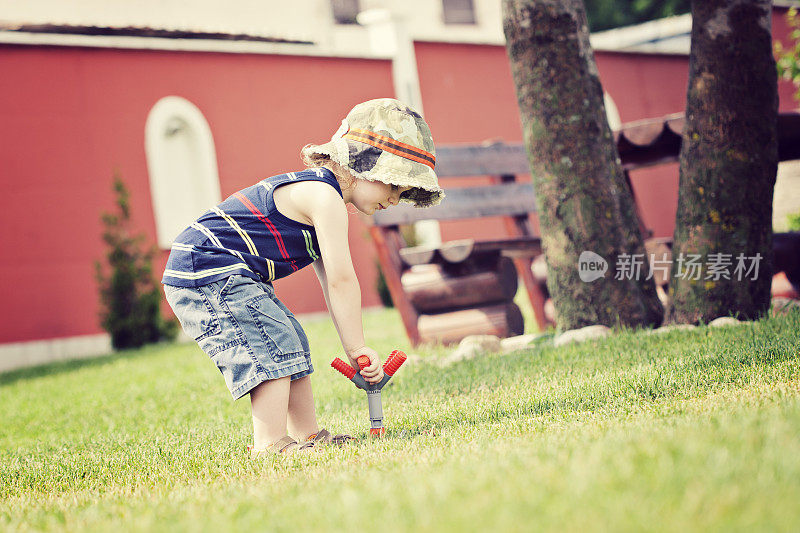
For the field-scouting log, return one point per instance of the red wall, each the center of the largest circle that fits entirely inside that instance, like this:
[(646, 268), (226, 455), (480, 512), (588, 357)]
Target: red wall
[(460, 110), (72, 116), (468, 95), (647, 86)]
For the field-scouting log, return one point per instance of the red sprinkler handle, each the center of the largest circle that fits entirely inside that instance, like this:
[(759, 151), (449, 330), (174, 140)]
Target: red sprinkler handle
[(363, 361), (344, 368), (396, 359)]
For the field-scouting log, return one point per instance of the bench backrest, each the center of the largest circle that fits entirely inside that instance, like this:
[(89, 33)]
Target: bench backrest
[(502, 199)]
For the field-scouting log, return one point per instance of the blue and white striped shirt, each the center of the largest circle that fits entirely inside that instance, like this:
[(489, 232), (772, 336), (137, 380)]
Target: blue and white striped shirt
[(247, 235)]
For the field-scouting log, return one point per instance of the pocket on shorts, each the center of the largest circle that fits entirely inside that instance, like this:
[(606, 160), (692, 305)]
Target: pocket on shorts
[(195, 313), (276, 328)]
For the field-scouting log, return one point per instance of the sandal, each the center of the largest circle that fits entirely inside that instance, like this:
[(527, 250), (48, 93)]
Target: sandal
[(323, 436), (283, 446)]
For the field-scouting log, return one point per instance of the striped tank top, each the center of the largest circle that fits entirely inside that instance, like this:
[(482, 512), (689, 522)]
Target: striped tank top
[(246, 235)]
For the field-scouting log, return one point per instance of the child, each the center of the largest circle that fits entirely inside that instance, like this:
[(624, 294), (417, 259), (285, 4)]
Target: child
[(218, 278)]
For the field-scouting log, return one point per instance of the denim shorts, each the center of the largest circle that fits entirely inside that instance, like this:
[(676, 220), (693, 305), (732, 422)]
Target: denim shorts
[(243, 327)]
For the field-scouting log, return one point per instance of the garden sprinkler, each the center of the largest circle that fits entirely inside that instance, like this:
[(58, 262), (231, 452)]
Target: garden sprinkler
[(396, 358)]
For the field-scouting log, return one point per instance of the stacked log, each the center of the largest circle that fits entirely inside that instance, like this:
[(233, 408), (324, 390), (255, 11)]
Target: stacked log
[(502, 320), (459, 291), (432, 289)]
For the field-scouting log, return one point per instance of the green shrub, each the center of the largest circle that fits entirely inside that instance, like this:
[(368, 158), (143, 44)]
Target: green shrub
[(130, 296), (794, 222), (789, 60), (383, 287)]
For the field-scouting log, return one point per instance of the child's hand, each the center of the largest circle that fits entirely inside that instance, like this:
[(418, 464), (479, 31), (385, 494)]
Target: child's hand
[(372, 373)]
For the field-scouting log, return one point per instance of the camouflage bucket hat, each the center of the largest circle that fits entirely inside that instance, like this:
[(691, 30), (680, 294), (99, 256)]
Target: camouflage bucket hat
[(385, 140)]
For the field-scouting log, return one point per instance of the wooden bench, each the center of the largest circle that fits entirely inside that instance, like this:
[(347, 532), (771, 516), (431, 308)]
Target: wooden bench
[(458, 265), (465, 274), (640, 144)]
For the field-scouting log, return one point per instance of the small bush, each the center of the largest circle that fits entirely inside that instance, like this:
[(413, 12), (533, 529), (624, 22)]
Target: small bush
[(794, 222), (383, 287), (130, 295), (788, 60)]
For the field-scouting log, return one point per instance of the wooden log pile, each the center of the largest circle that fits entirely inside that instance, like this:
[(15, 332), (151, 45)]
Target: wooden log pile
[(462, 288)]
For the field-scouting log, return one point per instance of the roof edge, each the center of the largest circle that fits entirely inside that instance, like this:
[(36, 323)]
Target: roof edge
[(177, 44), (138, 31)]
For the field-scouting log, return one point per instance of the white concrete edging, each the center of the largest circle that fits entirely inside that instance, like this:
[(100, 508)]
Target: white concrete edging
[(24, 354)]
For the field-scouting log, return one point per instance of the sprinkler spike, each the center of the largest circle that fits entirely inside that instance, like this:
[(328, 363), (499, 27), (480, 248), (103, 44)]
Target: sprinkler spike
[(373, 390)]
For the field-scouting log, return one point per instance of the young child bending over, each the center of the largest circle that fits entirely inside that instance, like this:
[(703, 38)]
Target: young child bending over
[(219, 275)]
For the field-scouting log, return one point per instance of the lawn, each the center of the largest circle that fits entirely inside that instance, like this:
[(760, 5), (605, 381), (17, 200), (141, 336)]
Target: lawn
[(690, 430)]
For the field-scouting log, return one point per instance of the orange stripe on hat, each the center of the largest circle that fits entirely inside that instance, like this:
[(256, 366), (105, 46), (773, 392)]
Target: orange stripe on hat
[(392, 146)]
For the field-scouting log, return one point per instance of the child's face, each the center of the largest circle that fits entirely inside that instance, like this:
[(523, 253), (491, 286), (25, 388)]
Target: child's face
[(370, 196)]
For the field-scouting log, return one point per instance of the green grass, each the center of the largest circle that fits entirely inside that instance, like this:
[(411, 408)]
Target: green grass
[(690, 430)]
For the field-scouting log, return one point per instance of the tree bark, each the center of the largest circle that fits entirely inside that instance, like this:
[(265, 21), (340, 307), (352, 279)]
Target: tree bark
[(728, 164), (583, 201)]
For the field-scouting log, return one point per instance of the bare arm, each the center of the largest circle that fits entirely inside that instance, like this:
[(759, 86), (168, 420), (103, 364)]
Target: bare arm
[(337, 276), (319, 268)]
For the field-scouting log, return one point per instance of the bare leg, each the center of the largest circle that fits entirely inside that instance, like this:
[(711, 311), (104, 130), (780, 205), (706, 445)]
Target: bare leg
[(302, 417), (269, 403)]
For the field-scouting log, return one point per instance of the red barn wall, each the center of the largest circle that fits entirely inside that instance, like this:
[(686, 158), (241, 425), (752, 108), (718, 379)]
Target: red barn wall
[(73, 116), (468, 95)]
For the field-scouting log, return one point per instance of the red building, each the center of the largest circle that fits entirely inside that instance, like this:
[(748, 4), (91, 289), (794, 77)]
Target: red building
[(74, 113)]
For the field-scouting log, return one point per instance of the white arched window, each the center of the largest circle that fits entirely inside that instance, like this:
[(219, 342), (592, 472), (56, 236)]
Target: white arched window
[(182, 164)]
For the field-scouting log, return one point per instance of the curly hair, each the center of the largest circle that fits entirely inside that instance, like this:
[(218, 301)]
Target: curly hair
[(314, 159)]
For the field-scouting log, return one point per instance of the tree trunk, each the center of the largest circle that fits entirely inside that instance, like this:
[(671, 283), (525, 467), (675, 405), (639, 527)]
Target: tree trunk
[(728, 162), (583, 201)]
